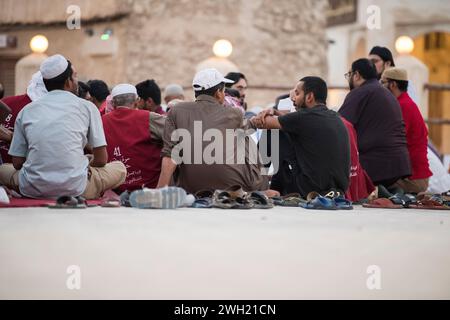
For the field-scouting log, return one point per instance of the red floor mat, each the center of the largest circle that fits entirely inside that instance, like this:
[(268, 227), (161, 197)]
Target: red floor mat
[(31, 203)]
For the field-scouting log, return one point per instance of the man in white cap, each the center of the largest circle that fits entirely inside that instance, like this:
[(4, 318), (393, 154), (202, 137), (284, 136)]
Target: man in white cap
[(209, 111), (134, 137), (173, 92), (50, 134)]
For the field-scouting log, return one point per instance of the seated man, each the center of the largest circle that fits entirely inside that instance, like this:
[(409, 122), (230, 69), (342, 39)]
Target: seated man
[(396, 81), (99, 91), (134, 137), (191, 121), (35, 90), (5, 134), (49, 137), (149, 96), (376, 116), (319, 139)]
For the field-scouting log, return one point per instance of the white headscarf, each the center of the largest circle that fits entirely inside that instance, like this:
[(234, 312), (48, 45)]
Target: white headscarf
[(36, 87)]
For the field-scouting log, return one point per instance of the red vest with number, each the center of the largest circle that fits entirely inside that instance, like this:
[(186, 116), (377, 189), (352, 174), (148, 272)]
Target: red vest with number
[(127, 133)]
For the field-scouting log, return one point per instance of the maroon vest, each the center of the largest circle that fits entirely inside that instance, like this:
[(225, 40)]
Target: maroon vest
[(129, 140)]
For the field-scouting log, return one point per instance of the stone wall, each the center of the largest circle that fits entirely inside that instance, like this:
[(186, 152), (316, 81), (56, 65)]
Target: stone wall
[(275, 42), (22, 12)]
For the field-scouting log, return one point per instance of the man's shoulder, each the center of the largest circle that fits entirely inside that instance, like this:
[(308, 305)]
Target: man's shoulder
[(12, 101)]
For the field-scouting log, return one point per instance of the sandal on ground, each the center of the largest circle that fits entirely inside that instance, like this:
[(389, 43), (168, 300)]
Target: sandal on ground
[(381, 203), (223, 200), (260, 200), (343, 204), (429, 204), (319, 203), (203, 199), (68, 202), (290, 200), (111, 203)]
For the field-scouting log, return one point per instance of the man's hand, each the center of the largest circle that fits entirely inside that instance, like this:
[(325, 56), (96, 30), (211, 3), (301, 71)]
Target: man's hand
[(18, 162)]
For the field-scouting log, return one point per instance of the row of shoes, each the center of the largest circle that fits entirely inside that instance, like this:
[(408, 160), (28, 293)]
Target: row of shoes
[(232, 198), (398, 199), (332, 200), (174, 197)]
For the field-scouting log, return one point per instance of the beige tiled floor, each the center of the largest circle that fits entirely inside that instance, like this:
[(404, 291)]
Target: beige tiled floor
[(284, 253)]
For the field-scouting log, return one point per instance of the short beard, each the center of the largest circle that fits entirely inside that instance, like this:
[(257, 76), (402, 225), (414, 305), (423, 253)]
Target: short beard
[(351, 85), (302, 105)]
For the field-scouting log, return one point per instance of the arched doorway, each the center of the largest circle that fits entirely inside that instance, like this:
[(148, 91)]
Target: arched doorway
[(433, 49)]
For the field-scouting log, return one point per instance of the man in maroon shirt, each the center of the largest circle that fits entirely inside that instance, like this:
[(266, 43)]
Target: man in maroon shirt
[(396, 80), (134, 137), (35, 90)]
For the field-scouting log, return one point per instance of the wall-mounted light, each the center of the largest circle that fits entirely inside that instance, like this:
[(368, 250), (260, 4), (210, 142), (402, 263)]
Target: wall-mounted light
[(404, 45), (39, 44), (222, 48)]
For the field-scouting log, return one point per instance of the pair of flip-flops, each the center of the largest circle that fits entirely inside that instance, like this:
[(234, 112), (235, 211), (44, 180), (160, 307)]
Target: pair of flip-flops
[(331, 201), (68, 202), (203, 199), (289, 200), (236, 198), (232, 198)]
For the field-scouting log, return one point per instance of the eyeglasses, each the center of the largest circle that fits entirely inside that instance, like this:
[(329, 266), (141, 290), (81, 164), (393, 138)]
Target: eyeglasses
[(348, 75)]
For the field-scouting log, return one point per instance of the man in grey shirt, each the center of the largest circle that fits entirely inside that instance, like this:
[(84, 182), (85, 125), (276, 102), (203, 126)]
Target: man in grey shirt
[(49, 138)]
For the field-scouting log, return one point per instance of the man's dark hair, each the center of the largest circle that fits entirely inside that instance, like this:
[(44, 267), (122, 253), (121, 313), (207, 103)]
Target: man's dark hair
[(384, 53), (235, 76), (211, 91), (58, 82), (317, 86), (402, 85), (149, 89), (365, 68), (98, 89), (83, 89), (2, 91)]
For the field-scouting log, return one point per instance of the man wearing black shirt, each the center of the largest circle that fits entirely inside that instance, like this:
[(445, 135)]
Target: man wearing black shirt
[(319, 139)]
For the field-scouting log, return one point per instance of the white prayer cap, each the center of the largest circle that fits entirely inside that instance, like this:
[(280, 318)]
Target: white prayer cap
[(123, 88), (54, 66), (173, 90), (208, 78)]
